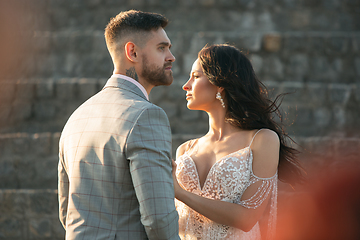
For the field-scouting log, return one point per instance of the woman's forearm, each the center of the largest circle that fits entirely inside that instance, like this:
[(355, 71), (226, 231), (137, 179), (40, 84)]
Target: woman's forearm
[(226, 213)]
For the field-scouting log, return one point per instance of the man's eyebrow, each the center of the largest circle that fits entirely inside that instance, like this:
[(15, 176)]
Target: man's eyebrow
[(167, 44)]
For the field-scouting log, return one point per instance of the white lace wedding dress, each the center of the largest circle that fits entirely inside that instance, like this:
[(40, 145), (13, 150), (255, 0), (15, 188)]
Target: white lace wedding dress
[(226, 181)]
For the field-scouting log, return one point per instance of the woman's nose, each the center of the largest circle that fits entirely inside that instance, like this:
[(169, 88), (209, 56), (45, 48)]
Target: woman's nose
[(186, 86)]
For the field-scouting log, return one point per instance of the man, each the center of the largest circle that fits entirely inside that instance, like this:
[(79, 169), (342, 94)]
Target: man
[(115, 177)]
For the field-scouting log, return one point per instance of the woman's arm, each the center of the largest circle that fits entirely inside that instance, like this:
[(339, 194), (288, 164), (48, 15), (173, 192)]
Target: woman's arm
[(266, 155)]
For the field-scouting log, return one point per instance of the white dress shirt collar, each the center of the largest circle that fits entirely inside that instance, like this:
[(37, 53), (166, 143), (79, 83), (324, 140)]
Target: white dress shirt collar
[(134, 82)]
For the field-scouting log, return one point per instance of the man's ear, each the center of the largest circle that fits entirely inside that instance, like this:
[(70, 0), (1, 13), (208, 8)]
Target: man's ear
[(131, 52)]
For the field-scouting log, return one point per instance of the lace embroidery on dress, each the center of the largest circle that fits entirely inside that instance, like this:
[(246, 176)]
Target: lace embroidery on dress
[(227, 180)]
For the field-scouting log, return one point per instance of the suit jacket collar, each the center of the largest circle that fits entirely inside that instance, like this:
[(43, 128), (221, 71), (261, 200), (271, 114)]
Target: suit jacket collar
[(117, 82)]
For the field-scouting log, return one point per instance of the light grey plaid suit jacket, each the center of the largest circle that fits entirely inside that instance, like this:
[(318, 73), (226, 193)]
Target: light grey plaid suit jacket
[(114, 168)]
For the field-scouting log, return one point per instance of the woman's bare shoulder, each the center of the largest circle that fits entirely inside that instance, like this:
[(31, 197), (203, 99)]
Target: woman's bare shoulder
[(265, 147), (184, 147)]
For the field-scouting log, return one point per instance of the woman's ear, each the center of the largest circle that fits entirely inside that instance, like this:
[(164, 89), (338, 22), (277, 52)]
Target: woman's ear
[(130, 52), (220, 89)]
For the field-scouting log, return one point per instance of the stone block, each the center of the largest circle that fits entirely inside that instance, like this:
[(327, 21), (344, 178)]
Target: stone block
[(29, 214), (321, 21), (42, 202), (13, 202), (207, 3), (337, 45), (272, 42), (298, 66), (257, 62), (295, 43), (170, 108), (355, 44), (136, 3), (21, 110), (7, 91), (175, 92), (40, 144), (245, 43), (304, 116), (56, 138), (73, 63), (331, 5), (188, 61), (273, 88), (200, 126), (87, 88), (39, 228), (316, 94), (5, 111), (8, 174), (321, 68), (339, 118), (20, 143), (65, 89), (11, 228), (101, 83), (265, 21), (6, 146), (158, 94), (357, 65), (57, 229), (339, 93), (45, 88), (226, 3), (322, 117), (273, 67), (316, 44), (187, 114), (44, 110), (299, 19), (25, 90), (41, 41), (295, 92)]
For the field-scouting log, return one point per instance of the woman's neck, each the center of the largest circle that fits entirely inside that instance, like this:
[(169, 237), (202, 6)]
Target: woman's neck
[(219, 129)]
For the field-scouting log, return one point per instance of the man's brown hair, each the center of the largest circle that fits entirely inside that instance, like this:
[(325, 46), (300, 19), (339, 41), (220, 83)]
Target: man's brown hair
[(133, 23)]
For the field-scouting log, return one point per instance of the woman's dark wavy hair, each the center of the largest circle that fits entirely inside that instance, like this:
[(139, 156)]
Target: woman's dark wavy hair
[(248, 104)]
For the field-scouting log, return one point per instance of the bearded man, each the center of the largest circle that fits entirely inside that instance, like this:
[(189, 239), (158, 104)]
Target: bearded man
[(115, 178)]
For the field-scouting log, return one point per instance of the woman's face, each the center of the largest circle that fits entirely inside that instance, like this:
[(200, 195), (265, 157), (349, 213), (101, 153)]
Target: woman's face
[(200, 93)]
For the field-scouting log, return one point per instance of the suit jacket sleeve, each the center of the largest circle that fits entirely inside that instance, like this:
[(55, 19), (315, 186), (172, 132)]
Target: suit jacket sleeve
[(148, 149), (63, 190)]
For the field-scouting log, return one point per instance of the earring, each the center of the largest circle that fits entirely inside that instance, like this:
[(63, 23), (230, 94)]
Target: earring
[(218, 96)]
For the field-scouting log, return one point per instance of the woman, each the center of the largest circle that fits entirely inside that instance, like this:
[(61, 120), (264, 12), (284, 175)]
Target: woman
[(226, 181)]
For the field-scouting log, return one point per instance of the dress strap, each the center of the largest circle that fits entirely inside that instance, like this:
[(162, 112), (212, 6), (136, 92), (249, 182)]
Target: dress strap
[(190, 144), (254, 136)]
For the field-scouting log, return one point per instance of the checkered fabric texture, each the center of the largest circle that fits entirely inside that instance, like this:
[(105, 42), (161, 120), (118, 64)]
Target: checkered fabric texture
[(115, 177)]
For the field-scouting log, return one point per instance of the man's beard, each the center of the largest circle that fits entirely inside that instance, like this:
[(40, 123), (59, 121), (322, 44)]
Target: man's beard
[(156, 75)]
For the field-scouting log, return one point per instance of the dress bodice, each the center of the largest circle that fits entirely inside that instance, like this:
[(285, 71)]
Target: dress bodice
[(227, 180)]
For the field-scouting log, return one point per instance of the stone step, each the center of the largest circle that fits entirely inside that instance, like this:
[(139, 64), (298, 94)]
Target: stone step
[(238, 15), (29, 161), (326, 56), (311, 109), (30, 214)]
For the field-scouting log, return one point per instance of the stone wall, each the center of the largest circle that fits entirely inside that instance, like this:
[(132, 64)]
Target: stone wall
[(53, 57)]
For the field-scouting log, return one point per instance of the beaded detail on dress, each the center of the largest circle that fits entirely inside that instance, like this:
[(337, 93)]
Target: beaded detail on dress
[(227, 180)]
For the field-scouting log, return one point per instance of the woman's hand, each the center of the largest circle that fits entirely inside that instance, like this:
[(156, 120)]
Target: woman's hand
[(177, 187)]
